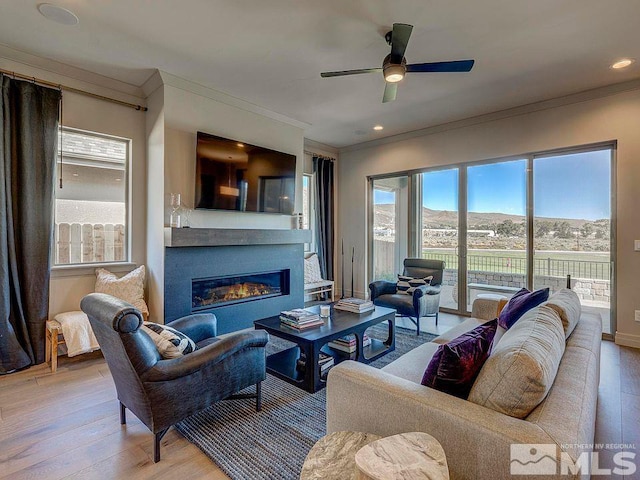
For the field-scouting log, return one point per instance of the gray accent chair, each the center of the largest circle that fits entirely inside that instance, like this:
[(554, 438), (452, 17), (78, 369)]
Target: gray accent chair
[(163, 392), (425, 301)]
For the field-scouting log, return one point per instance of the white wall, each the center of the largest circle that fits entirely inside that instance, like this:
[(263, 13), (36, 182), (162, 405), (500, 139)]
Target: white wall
[(188, 108), (615, 116), (86, 113)]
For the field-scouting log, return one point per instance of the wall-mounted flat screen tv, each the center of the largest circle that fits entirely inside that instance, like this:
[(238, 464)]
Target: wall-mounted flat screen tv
[(233, 175)]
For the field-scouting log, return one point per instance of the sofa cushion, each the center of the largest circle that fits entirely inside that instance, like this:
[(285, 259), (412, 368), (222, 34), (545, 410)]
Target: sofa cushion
[(456, 364), (170, 342), (464, 327), (519, 304), (567, 304), (411, 365), (522, 367)]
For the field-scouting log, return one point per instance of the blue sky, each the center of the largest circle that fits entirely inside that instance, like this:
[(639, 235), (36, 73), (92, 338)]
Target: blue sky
[(567, 186)]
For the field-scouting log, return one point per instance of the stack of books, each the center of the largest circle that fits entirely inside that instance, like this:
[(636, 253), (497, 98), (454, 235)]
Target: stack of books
[(325, 361), (300, 319), (348, 343), (354, 305)]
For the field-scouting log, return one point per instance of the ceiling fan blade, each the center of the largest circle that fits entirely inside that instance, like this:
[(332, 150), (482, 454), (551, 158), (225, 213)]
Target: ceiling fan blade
[(390, 91), (399, 40), (456, 66), (350, 72)]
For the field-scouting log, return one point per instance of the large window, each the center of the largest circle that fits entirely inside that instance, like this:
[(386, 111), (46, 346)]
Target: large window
[(539, 220), (91, 207)]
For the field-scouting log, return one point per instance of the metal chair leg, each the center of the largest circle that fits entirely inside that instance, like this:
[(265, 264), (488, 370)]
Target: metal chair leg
[(157, 437), (258, 396), (123, 414)]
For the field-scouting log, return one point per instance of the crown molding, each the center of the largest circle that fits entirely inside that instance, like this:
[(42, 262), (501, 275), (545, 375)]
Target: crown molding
[(207, 92), (580, 97), (57, 72), (321, 148)]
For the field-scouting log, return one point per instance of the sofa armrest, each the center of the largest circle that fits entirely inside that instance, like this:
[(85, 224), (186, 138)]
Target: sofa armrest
[(381, 287), (476, 440), (197, 327), (171, 369)]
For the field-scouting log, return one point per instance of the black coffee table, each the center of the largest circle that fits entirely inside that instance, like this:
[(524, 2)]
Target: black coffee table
[(313, 340)]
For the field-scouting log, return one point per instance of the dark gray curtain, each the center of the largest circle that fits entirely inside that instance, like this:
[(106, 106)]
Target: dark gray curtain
[(29, 127), (323, 168)]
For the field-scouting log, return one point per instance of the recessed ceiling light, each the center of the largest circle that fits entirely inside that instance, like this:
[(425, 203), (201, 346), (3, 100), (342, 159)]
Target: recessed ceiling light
[(240, 144), (378, 127), (118, 179), (625, 62), (58, 14)]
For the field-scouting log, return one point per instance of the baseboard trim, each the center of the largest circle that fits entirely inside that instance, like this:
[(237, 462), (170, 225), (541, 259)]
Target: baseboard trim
[(628, 340)]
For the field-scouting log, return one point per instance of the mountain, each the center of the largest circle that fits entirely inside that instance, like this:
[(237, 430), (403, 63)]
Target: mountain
[(385, 214)]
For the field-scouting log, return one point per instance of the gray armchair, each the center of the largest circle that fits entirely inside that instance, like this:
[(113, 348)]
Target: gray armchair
[(425, 301), (163, 392)]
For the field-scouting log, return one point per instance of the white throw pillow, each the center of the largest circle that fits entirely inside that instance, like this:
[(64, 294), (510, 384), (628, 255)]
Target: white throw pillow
[(171, 343), (521, 369), (312, 269), (129, 288)]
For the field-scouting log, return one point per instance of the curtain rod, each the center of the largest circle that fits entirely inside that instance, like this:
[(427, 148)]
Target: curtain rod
[(314, 154), (71, 89)]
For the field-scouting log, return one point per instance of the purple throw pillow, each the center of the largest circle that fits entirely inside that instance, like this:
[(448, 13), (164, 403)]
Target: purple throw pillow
[(455, 365), (519, 304)]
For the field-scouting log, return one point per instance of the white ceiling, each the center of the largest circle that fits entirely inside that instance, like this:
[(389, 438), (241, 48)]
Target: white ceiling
[(271, 52)]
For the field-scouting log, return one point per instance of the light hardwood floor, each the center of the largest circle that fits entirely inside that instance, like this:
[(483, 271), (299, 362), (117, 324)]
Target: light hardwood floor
[(66, 425)]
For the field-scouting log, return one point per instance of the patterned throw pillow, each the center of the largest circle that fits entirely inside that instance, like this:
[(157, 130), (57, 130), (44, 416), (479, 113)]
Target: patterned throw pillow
[(519, 304), (129, 288), (407, 285), (455, 365), (312, 269), (170, 342)]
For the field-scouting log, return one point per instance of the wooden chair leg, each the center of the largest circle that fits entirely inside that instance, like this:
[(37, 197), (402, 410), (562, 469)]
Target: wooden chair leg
[(47, 346), (54, 349)]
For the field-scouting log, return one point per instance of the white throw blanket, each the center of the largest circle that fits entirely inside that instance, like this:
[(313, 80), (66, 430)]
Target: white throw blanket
[(77, 333)]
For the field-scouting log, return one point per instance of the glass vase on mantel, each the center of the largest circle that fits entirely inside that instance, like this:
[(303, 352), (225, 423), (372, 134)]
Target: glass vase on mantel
[(174, 217)]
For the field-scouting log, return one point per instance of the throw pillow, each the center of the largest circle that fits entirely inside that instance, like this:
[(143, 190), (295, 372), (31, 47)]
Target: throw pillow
[(519, 304), (455, 365), (312, 269), (170, 342), (407, 285), (566, 303), (523, 365), (129, 288)]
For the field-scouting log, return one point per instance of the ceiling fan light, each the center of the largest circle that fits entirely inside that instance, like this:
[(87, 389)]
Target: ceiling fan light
[(394, 73)]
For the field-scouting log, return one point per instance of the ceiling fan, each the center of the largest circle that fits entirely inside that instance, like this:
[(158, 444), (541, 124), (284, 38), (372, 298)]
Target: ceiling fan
[(394, 66)]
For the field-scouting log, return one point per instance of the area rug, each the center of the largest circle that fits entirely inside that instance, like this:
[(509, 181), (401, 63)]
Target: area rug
[(272, 444)]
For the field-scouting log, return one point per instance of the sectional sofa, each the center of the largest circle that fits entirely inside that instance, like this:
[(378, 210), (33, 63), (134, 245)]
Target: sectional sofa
[(477, 437)]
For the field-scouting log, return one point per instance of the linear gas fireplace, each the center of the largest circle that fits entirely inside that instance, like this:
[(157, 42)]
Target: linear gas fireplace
[(213, 292)]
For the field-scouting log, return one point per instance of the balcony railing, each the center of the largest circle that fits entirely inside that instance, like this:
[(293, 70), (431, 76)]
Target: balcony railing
[(550, 267)]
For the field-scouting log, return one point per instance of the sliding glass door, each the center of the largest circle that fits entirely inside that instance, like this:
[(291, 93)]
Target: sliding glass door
[(496, 250), (390, 226), (504, 225), (439, 227), (572, 227)]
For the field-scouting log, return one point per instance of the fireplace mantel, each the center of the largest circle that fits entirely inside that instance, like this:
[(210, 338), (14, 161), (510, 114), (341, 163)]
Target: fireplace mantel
[(220, 237)]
